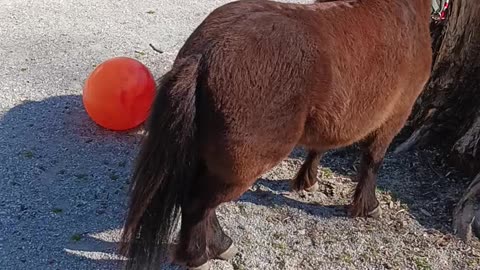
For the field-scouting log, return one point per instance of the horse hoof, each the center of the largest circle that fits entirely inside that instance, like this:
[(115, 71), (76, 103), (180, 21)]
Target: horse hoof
[(376, 212), (229, 253), (313, 188), (205, 266), (353, 212)]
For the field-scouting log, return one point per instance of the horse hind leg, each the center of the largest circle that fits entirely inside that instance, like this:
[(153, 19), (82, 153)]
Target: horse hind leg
[(206, 241), (306, 178), (201, 236), (365, 203), (221, 245)]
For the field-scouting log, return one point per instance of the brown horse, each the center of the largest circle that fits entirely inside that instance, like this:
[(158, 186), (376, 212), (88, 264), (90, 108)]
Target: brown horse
[(254, 80)]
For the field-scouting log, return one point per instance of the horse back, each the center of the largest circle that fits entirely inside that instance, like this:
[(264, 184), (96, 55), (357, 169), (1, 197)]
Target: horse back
[(274, 75)]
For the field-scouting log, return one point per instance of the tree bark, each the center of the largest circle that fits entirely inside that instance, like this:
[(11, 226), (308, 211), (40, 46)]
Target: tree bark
[(466, 220), (447, 114)]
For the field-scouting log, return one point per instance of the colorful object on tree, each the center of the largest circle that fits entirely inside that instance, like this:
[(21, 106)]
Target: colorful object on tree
[(443, 14), (439, 9), (118, 94)]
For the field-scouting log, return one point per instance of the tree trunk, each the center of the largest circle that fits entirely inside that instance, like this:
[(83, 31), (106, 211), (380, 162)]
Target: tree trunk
[(447, 114)]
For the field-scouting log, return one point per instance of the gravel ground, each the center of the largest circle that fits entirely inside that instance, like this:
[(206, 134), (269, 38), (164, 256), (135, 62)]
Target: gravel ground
[(63, 179)]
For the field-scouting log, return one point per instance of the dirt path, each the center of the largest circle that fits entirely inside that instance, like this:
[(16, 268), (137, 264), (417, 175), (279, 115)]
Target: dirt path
[(63, 180)]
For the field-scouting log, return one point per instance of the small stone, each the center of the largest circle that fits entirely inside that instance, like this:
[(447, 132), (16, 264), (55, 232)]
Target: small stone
[(425, 212), (387, 266)]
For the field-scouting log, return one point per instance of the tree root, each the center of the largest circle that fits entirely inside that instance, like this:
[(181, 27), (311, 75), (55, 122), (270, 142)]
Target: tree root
[(415, 139), (466, 218)]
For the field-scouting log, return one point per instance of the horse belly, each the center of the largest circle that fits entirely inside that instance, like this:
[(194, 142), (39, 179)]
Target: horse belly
[(246, 149), (326, 137), (341, 124)]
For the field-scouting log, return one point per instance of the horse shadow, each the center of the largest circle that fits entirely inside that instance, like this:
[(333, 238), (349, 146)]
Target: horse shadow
[(274, 194), (418, 179)]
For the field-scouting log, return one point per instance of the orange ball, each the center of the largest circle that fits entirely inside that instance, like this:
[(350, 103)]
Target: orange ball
[(118, 94)]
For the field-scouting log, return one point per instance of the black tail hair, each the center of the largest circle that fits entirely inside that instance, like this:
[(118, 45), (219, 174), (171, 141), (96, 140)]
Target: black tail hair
[(164, 169)]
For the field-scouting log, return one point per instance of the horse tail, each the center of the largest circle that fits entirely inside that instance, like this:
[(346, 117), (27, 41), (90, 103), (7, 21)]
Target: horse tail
[(165, 166)]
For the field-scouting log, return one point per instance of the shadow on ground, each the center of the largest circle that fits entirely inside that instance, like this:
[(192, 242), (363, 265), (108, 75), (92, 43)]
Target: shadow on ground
[(271, 198), (62, 177), (418, 179)]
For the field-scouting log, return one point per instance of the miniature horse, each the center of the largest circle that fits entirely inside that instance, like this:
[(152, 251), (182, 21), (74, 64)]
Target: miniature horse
[(254, 80)]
